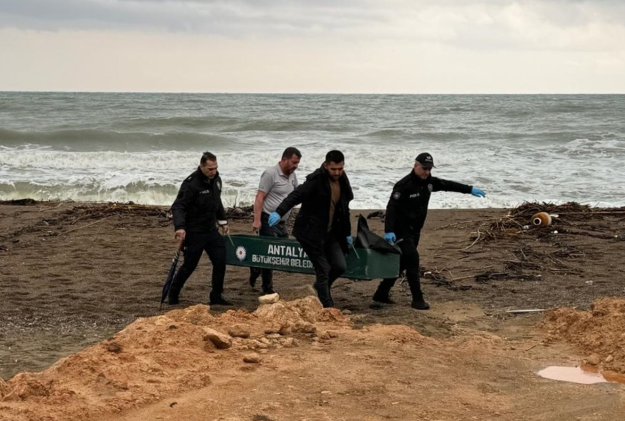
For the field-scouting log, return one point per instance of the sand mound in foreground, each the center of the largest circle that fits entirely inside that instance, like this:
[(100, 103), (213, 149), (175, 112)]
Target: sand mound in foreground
[(295, 360), (599, 332), (160, 356)]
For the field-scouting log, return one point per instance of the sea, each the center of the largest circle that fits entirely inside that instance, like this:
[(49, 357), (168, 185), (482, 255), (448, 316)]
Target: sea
[(139, 147)]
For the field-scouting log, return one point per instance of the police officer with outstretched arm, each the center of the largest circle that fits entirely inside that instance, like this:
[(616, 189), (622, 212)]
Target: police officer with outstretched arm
[(405, 215), (322, 225), (197, 211)]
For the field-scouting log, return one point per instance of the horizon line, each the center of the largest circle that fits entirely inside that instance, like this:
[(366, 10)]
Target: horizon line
[(304, 93)]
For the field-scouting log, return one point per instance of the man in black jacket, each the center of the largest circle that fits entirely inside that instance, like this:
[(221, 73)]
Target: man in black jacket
[(197, 211), (322, 225), (405, 215)]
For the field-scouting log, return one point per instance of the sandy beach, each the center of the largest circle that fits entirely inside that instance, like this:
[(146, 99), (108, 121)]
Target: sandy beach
[(81, 285)]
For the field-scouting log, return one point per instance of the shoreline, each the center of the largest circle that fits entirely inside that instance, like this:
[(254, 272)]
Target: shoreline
[(30, 202), (552, 204)]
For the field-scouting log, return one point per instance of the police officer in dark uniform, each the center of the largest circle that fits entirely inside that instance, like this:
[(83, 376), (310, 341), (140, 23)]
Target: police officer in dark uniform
[(322, 225), (405, 215), (197, 211)]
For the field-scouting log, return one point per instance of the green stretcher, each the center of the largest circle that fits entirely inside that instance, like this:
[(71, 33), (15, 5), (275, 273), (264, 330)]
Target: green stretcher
[(288, 256)]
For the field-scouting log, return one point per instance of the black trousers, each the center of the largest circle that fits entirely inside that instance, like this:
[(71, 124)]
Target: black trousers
[(409, 261), (279, 231), (194, 244), (328, 261)]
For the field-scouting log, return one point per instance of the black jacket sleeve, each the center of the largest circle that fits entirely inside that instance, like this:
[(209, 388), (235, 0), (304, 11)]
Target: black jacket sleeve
[(297, 196), (439, 184), (220, 212), (392, 207), (183, 201), (349, 196)]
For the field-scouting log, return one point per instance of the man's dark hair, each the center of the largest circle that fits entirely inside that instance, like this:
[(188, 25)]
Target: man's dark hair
[(290, 151), (335, 156), (207, 156)]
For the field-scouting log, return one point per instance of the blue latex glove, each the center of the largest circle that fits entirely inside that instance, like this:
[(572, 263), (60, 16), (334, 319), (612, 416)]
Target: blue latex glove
[(350, 240), (274, 218), (477, 192), (390, 237)]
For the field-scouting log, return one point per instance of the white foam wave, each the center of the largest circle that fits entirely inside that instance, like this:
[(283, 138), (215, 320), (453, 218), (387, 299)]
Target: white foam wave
[(510, 174)]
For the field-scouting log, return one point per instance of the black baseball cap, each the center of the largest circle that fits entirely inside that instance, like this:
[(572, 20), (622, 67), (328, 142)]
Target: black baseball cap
[(426, 160)]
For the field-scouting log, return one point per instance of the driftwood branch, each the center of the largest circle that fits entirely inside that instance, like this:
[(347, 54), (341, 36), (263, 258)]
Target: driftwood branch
[(85, 226)]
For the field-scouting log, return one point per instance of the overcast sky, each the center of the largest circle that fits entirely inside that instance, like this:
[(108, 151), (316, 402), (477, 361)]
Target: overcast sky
[(335, 46)]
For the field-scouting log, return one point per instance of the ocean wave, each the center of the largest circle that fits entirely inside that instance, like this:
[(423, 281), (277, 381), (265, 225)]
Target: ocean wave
[(385, 134), (180, 123), (100, 140), (138, 192), (290, 126)]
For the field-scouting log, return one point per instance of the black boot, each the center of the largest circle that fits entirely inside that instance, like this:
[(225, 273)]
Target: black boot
[(417, 296), (254, 274), (420, 304), (383, 293), (267, 277), (219, 300), (172, 298), (323, 292), (383, 297)]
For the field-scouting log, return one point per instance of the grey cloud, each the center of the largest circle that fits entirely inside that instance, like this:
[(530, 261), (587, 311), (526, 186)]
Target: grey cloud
[(208, 16), (361, 19)]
